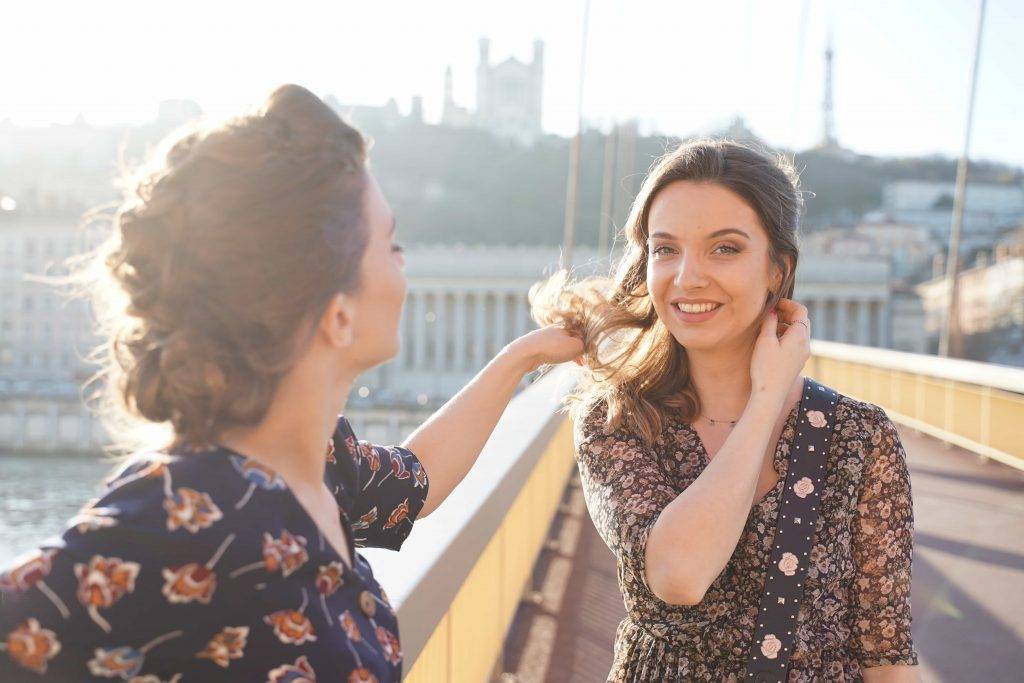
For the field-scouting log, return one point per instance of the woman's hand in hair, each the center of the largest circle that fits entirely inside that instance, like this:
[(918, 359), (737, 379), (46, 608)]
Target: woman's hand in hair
[(550, 345), (781, 349)]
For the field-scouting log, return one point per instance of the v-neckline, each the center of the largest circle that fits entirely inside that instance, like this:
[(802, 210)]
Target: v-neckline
[(779, 464), (326, 546)]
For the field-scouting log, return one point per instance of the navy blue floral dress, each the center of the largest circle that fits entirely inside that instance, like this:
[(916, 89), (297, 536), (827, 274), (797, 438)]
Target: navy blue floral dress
[(202, 565)]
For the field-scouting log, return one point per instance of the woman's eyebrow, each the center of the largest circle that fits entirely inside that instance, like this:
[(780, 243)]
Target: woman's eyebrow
[(716, 233)]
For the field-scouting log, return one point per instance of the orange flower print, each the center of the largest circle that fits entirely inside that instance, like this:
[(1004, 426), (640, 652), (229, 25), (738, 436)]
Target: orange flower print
[(389, 645), (32, 646), (350, 444), (328, 578), (369, 453), (788, 564), (349, 626), (770, 646), (328, 581), (330, 451), (193, 582), (150, 678), (366, 520), (287, 553), (398, 515), (362, 675), (102, 582), (190, 510), (804, 487), (124, 662), (816, 418), (291, 626), (299, 672), (225, 646), (398, 466), (29, 573)]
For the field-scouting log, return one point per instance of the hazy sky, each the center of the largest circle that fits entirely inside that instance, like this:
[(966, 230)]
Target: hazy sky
[(901, 73)]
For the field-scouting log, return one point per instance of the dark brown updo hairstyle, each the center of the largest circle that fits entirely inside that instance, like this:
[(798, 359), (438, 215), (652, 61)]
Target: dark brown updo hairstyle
[(228, 246), (632, 363)]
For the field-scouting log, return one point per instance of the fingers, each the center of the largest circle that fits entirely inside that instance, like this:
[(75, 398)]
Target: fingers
[(794, 315), (769, 325), (790, 311)]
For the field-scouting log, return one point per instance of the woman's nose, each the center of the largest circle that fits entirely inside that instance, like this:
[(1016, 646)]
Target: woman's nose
[(690, 272)]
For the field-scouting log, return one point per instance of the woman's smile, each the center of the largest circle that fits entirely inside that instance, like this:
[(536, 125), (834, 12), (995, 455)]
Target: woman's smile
[(695, 313)]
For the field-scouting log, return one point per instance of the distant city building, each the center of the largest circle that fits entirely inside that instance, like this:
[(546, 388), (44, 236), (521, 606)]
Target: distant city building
[(909, 248), (43, 336), (509, 96), (989, 208), (44, 339), (465, 303), (990, 300)]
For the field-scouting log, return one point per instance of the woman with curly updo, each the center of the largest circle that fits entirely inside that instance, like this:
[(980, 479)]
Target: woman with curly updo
[(688, 414), (251, 276)]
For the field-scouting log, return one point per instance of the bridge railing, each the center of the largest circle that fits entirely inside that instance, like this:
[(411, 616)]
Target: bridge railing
[(977, 406), (462, 571)]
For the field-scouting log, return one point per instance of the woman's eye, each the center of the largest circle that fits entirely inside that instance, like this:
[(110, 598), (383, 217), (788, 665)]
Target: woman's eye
[(657, 251), (732, 250)]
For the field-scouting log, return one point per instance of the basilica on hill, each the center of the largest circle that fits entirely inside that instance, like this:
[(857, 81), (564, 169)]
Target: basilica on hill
[(508, 96)]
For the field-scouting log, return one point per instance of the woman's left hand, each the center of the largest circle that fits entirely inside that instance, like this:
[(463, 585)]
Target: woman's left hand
[(548, 345)]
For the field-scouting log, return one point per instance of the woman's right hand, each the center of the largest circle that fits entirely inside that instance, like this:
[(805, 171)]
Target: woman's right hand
[(781, 349)]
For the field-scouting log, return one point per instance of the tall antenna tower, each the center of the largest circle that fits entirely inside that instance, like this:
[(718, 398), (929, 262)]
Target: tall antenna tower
[(828, 140)]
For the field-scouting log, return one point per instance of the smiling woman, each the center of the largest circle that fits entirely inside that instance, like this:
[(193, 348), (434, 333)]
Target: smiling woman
[(686, 424)]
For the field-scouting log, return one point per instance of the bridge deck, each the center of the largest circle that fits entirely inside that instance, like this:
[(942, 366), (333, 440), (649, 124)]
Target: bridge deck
[(968, 593)]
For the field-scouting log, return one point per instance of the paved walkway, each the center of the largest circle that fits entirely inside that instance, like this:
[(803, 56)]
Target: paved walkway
[(968, 593)]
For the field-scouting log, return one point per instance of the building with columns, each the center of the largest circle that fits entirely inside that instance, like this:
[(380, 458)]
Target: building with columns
[(464, 304)]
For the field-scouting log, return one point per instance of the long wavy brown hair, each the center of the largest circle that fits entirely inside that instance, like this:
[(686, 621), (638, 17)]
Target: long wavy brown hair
[(227, 247), (631, 362)]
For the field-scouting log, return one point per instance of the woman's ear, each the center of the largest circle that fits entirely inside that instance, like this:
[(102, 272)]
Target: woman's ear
[(337, 321), (779, 272)]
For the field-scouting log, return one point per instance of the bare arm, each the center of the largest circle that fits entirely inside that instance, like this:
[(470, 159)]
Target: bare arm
[(696, 534), (711, 512), (900, 673), (451, 439)]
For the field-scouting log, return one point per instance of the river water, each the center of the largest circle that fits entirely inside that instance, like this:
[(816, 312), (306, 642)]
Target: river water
[(39, 493)]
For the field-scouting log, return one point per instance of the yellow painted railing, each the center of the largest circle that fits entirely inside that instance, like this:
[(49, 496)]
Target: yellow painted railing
[(977, 406), (462, 572), (460, 576), (469, 639)]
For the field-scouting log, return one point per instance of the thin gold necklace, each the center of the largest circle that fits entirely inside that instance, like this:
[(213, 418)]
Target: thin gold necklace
[(732, 423)]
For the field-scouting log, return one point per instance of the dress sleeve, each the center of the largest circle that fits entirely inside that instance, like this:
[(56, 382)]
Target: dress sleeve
[(625, 490), (388, 489), (118, 596), (882, 546)]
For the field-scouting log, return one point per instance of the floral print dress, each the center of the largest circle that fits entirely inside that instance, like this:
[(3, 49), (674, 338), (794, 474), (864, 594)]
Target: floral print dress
[(856, 608), (202, 565)]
